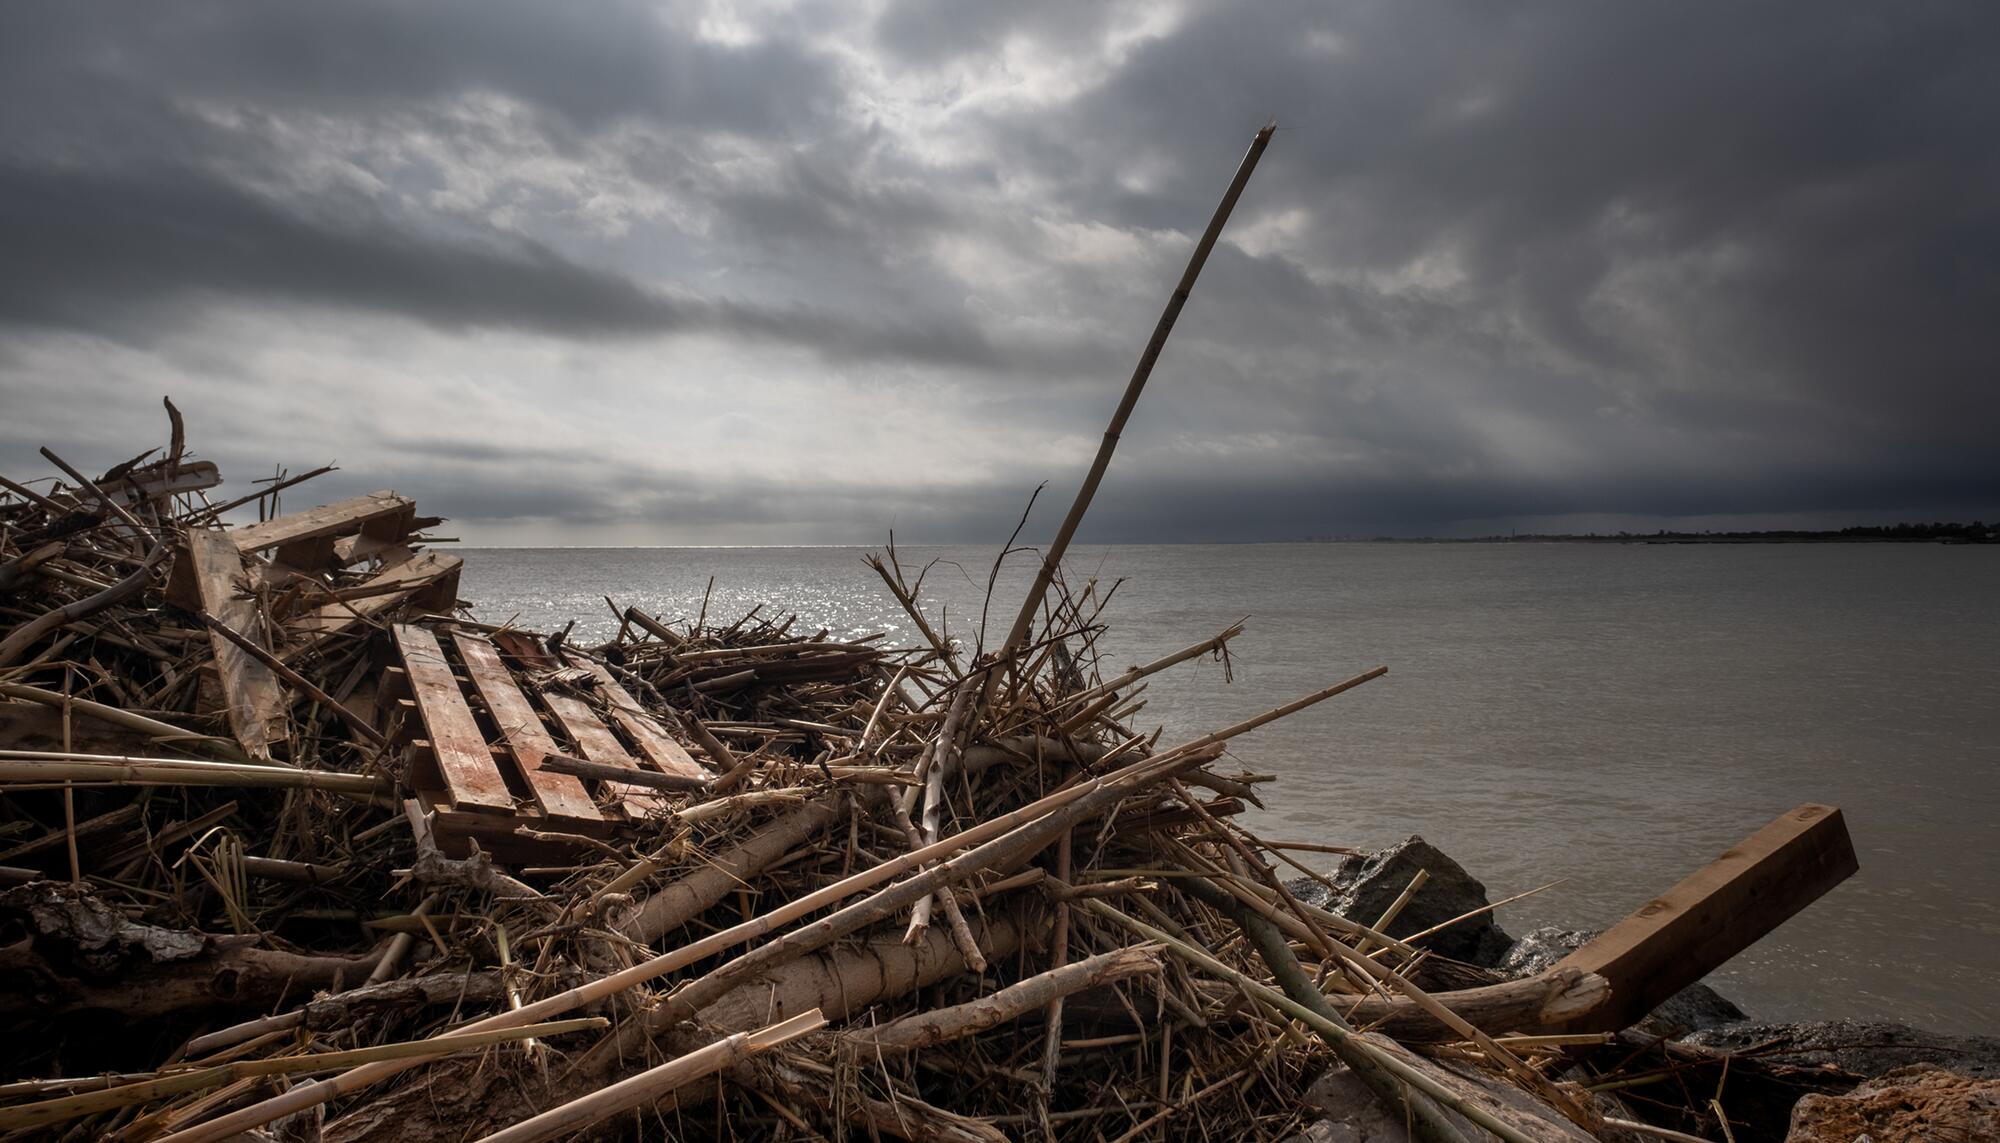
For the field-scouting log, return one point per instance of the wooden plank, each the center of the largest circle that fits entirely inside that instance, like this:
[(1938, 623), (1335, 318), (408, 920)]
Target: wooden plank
[(193, 476), (251, 692), (596, 743), (429, 575), (560, 795), (1724, 908), (472, 778), (666, 755), (376, 514)]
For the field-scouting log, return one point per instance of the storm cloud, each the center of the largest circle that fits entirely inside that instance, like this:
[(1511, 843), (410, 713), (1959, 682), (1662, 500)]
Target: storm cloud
[(747, 272)]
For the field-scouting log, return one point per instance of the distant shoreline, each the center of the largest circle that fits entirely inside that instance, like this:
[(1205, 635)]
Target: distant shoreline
[(1718, 538), (1976, 532)]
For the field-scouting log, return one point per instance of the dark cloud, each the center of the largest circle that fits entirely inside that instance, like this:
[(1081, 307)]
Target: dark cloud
[(1763, 195), (1504, 261), (619, 60), (87, 246)]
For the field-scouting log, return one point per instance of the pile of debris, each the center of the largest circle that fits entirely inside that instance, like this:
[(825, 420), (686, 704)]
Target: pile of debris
[(295, 849)]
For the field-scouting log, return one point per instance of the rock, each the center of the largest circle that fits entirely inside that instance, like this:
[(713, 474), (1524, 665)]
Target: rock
[(1352, 1113), (1693, 1008), (1918, 1102), (1857, 1047), (1368, 885)]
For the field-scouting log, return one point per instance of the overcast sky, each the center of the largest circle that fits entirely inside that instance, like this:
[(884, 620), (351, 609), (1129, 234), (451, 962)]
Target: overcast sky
[(764, 273)]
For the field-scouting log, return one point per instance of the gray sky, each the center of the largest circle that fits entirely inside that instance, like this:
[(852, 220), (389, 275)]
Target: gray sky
[(801, 272)]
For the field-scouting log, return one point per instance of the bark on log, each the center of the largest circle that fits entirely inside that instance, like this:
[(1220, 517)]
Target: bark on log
[(942, 1025), (695, 894), (846, 981), (232, 976)]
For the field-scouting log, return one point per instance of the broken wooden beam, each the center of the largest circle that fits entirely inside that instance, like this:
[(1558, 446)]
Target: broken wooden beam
[(208, 581), (305, 539), (1722, 909)]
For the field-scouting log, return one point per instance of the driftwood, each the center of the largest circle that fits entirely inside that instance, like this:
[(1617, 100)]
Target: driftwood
[(942, 1025), (286, 809)]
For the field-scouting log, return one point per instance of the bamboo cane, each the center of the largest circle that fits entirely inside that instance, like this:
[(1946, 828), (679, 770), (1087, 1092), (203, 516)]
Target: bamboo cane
[(656, 1083), (1052, 559), (125, 770), (66, 1107)]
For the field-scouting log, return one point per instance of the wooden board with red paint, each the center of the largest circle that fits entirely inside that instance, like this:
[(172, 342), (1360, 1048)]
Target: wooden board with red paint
[(472, 779), (528, 741), (597, 744)]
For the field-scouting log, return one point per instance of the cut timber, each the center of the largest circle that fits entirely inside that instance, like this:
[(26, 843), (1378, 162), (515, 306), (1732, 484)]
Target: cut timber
[(596, 743), (1724, 908), (428, 576), (666, 755), (305, 539), (470, 776), (212, 571), (559, 795)]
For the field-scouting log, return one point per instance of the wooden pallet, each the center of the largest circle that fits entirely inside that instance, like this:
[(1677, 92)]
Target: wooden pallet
[(477, 729)]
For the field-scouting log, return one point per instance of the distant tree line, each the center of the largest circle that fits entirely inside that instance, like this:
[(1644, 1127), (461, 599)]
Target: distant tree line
[(1936, 532)]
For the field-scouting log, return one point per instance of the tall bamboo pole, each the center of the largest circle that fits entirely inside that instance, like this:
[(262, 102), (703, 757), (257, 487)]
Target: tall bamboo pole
[(1053, 558)]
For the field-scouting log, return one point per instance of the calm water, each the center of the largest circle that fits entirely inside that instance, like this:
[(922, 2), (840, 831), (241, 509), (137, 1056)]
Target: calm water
[(1614, 715)]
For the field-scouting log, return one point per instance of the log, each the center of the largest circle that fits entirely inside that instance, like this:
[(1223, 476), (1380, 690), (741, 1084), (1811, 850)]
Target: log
[(684, 900), (233, 976), (155, 730), (1052, 559), (1542, 1003), (942, 1025)]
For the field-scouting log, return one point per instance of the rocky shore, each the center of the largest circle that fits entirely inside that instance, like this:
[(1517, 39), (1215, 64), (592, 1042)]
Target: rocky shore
[(1803, 1082)]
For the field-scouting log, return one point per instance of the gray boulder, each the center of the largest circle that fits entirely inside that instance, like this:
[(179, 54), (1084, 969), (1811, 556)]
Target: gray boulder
[(1368, 885), (1693, 1008), (1858, 1047)]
